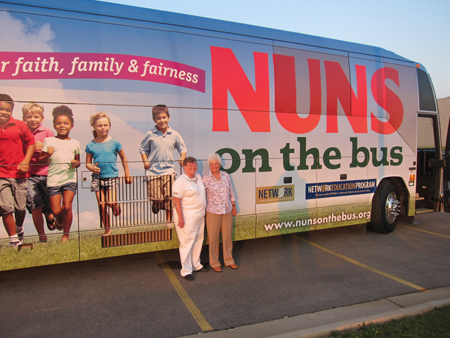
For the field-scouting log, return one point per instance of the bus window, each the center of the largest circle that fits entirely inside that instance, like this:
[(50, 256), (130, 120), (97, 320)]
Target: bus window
[(426, 96)]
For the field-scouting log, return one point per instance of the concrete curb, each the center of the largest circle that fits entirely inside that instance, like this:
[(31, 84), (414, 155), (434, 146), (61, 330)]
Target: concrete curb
[(326, 330), (323, 323)]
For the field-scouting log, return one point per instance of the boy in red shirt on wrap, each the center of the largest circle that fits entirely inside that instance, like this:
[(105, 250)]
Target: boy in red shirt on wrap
[(16, 149)]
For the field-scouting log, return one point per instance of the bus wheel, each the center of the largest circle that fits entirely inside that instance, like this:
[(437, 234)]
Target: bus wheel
[(385, 208)]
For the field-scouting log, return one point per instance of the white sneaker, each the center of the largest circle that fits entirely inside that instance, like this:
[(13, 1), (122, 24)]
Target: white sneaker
[(15, 244)]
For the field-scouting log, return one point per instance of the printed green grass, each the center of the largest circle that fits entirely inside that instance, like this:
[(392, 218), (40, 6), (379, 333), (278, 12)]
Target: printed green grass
[(81, 246), (433, 324), (53, 252)]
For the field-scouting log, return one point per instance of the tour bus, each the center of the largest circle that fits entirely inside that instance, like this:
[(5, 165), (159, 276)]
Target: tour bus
[(315, 133)]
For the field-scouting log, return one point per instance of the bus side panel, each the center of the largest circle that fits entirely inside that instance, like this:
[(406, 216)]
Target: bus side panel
[(281, 119)]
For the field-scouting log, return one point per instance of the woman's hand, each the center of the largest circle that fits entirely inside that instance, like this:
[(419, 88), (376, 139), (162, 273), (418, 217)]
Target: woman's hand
[(233, 210), (181, 223), (179, 211)]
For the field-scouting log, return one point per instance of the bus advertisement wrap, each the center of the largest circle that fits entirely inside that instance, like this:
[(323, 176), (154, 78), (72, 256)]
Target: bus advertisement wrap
[(287, 118), (27, 66), (334, 189)]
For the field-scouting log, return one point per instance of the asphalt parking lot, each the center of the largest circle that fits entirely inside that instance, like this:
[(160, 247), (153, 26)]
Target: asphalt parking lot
[(286, 276)]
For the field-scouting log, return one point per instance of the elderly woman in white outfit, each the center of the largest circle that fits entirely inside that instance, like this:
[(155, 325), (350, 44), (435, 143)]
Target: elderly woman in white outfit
[(189, 199)]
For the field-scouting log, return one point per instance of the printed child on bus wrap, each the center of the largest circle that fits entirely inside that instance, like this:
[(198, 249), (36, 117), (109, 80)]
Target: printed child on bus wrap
[(16, 149), (101, 156), (62, 153), (38, 202), (156, 151)]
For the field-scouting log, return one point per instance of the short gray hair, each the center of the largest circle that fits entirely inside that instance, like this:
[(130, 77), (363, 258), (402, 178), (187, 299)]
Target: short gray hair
[(214, 157)]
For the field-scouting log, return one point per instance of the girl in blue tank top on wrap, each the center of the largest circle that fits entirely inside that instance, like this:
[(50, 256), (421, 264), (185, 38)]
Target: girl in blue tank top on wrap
[(101, 156)]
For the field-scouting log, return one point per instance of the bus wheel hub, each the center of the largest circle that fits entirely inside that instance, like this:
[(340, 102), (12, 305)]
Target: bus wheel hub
[(392, 207)]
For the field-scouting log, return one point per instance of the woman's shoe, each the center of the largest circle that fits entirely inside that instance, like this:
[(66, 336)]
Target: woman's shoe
[(203, 269), (189, 277)]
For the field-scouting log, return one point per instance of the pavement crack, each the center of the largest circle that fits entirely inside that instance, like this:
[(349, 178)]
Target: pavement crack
[(399, 305)]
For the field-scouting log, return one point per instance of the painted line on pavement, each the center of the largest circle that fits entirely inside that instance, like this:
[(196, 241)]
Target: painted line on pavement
[(428, 232), (193, 309), (365, 266)]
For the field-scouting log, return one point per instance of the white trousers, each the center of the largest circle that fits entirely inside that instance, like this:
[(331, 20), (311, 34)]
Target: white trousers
[(191, 241)]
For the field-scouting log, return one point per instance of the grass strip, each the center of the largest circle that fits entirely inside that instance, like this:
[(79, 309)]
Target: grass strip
[(433, 324)]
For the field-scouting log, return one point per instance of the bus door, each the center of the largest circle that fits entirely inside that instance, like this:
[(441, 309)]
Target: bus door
[(429, 148), (446, 187), (429, 156)]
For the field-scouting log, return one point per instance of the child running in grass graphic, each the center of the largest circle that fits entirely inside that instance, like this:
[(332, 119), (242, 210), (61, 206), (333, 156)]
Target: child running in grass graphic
[(62, 153), (38, 202), (101, 156), (16, 149)]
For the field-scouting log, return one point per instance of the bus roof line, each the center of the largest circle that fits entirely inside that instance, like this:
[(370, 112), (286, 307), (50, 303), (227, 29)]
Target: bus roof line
[(112, 10)]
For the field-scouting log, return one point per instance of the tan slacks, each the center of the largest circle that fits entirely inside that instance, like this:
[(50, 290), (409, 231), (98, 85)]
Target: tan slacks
[(217, 224)]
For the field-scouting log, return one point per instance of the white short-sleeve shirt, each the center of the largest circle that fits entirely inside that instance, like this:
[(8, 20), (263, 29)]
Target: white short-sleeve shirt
[(191, 191)]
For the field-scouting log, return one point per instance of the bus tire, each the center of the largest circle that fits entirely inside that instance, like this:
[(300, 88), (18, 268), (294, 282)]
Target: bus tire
[(385, 208)]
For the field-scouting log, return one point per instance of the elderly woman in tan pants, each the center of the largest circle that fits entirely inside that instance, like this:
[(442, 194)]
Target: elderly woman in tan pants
[(219, 213)]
